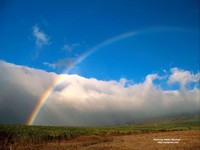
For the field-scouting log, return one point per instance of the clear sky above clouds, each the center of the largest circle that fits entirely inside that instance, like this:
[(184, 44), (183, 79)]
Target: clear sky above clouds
[(51, 34), (128, 56)]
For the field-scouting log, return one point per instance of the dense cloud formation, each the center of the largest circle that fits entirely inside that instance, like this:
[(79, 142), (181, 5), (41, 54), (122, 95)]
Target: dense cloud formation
[(82, 101)]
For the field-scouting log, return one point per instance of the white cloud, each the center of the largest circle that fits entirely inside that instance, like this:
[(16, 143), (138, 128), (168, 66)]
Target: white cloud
[(183, 77), (70, 48), (61, 63), (20, 87), (53, 65), (41, 38), (67, 48), (82, 101)]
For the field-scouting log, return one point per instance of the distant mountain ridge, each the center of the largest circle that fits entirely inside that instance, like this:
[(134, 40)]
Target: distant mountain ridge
[(182, 117)]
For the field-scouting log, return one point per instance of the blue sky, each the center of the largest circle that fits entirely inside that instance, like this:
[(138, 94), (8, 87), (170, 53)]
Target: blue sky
[(51, 34)]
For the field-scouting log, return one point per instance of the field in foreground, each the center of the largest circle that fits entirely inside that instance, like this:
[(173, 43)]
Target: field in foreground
[(184, 134), (170, 140)]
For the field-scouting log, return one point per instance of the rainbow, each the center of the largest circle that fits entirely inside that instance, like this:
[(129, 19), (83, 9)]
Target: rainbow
[(107, 42), (59, 79)]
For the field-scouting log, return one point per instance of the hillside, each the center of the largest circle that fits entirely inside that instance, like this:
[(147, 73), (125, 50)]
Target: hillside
[(23, 135)]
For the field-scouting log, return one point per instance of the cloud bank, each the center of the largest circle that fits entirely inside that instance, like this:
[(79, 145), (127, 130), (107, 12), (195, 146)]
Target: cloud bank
[(88, 101)]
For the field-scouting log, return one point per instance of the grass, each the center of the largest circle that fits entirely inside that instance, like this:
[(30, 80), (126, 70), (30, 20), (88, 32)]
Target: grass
[(23, 134)]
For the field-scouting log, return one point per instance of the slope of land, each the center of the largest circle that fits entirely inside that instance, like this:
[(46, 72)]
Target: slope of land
[(183, 134), (170, 140)]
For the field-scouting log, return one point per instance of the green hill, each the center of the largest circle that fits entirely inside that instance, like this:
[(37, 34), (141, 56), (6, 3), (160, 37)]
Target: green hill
[(23, 134)]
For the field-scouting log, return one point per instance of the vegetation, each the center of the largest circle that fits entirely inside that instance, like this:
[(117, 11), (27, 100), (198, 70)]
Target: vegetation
[(23, 134)]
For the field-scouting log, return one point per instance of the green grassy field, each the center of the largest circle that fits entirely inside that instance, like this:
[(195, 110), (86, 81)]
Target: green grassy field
[(23, 134)]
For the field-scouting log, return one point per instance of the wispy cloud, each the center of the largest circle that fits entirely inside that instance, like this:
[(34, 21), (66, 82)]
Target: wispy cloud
[(67, 48), (61, 63), (51, 65), (70, 48), (89, 101), (40, 37)]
